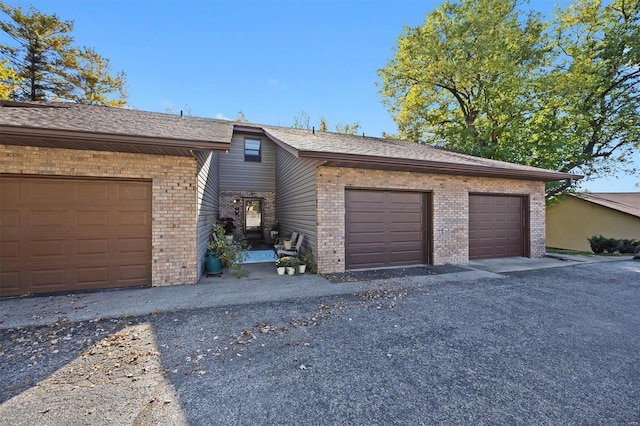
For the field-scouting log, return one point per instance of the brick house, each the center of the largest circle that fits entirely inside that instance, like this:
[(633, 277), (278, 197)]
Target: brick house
[(98, 197)]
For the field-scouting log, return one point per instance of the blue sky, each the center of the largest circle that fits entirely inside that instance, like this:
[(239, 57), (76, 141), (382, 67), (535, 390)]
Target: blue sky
[(270, 59)]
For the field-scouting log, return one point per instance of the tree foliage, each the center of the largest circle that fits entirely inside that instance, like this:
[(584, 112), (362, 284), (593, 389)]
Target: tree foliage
[(8, 80), (486, 78), (50, 67)]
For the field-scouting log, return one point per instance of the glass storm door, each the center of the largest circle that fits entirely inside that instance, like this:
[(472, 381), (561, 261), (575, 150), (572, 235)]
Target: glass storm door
[(253, 219)]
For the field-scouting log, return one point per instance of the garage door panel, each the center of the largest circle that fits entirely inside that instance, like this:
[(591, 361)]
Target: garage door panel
[(48, 279), (133, 218), (48, 249), (92, 247), (366, 196), (96, 235), (94, 277), (366, 218), (9, 250), (403, 238), (10, 279), (47, 190), (91, 218), (131, 246), (409, 218), (383, 228), (361, 239), (9, 219), (496, 226), (52, 220), (93, 191), (133, 192)]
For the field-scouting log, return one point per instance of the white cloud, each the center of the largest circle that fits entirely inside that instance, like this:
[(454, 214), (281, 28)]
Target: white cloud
[(221, 116)]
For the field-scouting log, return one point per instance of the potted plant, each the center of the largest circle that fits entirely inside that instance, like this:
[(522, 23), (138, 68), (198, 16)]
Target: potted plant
[(229, 228), (281, 265), (275, 230), (287, 243), (293, 264), (307, 261), (289, 262), (223, 253)]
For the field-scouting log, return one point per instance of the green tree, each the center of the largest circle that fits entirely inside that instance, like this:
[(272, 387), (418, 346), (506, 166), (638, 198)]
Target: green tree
[(485, 78), (592, 94), (50, 67)]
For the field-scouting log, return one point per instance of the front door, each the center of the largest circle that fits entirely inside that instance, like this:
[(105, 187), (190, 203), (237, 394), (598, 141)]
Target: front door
[(253, 218)]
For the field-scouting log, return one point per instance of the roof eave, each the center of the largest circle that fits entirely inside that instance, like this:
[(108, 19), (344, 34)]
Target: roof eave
[(437, 167), (116, 142)]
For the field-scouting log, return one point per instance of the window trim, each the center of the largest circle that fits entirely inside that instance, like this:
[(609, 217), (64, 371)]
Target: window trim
[(253, 154)]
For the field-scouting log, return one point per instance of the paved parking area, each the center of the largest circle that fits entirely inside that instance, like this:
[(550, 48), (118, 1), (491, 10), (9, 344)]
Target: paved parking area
[(546, 346)]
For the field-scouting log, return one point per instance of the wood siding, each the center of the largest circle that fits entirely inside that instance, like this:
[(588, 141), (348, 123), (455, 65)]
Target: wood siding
[(239, 175), (208, 204), (296, 196)]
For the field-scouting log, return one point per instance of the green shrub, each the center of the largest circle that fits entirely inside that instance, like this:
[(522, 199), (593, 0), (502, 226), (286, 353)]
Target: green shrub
[(628, 246), (599, 244)]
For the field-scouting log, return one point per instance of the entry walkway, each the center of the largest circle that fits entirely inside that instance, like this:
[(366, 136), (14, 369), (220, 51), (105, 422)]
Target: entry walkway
[(261, 285)]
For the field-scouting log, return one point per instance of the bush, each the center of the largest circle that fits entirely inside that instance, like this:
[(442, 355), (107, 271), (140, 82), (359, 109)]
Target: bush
[(600, 244), (628, 246)]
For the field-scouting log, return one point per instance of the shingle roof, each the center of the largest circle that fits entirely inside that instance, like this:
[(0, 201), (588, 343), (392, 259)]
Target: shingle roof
[(76, 126), (626, 202), (404, 154), (113, 121)]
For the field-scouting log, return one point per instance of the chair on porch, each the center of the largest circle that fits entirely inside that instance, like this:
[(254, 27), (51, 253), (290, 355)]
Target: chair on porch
[(294, 250), (279, 245)]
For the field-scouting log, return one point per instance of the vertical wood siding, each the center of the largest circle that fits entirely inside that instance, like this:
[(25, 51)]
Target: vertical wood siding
[(239, 175), (296, 195), (208, 205)]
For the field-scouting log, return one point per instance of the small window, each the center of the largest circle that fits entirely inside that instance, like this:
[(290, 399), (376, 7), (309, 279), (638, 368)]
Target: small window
[(252, 150)]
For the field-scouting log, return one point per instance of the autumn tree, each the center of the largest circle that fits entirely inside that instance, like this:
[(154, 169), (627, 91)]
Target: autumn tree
[(50, 67), (90, 80), (8, 80), (485, 78)]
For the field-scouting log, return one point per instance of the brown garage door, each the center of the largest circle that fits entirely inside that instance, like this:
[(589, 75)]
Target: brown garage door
[(59, 234), (384, 228), (496, 226)]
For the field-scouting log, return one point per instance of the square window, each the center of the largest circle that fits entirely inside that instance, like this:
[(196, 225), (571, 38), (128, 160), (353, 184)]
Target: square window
[(252, 150)]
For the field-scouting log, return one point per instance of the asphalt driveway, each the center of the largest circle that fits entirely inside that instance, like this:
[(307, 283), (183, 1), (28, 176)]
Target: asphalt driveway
[(551, 346)]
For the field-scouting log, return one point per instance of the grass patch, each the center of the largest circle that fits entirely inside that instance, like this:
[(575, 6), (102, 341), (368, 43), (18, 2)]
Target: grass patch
[(581, 253), (569, 252)]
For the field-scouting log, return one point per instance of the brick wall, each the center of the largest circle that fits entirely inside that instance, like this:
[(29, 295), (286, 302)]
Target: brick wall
[(227, 209), (450, 198), (174, 257)]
